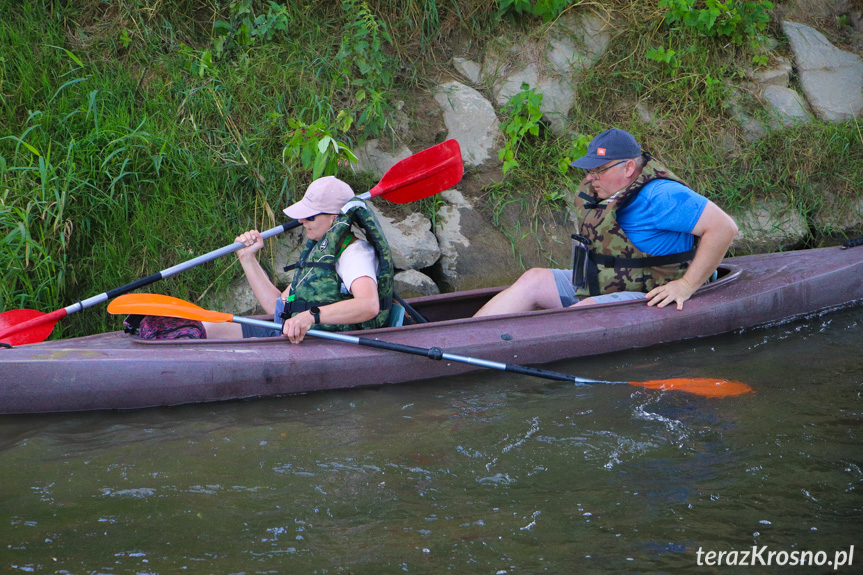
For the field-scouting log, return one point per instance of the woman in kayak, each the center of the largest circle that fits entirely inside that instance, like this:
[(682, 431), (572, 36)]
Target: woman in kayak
[(341, 282)]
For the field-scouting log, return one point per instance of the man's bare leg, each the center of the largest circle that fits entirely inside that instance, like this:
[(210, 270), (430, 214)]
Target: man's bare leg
[(535, 289)]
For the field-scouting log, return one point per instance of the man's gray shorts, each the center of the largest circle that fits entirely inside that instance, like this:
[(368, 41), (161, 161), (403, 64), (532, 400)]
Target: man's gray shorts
[(257, 331), (563, 281)]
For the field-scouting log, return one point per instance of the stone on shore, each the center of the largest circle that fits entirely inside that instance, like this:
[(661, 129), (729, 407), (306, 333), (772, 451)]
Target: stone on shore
[(413, 283), (832, 79)]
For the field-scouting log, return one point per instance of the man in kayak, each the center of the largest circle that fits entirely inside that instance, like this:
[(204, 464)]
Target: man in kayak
[(644, 234), (341, 282)]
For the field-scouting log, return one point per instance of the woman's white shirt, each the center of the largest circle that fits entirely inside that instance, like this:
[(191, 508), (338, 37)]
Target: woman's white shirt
[(358, 260)]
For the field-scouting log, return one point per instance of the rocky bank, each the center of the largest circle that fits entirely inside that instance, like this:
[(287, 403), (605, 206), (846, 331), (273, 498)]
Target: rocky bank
[(463, 248)]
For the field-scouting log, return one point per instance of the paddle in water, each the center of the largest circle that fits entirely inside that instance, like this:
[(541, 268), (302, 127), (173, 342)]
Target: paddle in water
[(416, 177), (154, 304)]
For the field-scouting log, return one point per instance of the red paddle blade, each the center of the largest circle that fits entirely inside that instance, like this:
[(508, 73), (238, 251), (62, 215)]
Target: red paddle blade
[(23, 326), (703, 386), (422, 175)]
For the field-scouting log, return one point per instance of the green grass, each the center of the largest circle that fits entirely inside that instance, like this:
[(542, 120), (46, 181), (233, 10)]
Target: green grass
[(132, 138)]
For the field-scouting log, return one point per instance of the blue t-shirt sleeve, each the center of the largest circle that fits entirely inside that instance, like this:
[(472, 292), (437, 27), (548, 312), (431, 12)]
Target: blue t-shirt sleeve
[(659, 221)]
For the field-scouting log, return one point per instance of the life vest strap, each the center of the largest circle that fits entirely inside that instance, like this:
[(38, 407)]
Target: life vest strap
[(590, 202), (648, 262), (298, 305), (303, 265)]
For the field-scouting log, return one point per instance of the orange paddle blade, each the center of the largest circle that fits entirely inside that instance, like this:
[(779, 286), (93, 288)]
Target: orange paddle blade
[(698, 385), (23, 326), (162, 305)]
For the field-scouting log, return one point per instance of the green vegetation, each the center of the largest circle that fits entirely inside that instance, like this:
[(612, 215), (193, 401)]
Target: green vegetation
[(135, 135), (546, 9), (684, 80), (522, 118)]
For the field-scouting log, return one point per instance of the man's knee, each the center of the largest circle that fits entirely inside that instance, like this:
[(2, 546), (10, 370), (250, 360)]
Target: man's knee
[(536, 277)]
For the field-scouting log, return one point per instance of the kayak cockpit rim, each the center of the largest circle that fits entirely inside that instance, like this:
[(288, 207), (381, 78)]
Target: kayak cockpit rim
[(727, 273)]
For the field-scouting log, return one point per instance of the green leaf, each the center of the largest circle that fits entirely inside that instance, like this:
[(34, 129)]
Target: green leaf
[(324, 143), (70, 54), (320, 164), (64, 86)]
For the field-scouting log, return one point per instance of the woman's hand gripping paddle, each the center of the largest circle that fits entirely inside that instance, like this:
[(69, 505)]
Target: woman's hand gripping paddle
[(154, 304), (416, 177)]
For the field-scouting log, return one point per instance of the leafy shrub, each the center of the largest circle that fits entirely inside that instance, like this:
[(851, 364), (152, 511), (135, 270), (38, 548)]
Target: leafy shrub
[(738, 20), (362, 50), (523, 116), (244, 28), (663, 56), (548, 10), (577, 149), (315, 147)]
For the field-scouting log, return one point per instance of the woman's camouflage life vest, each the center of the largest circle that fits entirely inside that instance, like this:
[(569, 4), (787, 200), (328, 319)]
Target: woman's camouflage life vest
[(316, 283), (614, 263)]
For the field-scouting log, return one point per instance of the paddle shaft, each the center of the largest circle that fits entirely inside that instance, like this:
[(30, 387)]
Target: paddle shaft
[(161, 305), (56, 315), (431, 353), (415, 177), (194, 262)]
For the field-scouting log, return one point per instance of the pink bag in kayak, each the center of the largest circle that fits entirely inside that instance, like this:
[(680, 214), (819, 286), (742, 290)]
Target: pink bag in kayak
[(158, 327)]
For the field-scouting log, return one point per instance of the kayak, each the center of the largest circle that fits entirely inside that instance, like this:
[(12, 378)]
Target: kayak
[(119, 371)]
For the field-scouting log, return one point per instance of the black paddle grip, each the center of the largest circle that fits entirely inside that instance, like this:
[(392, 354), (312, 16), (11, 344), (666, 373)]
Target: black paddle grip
[(539, 373), (431, 353), (134, 285)]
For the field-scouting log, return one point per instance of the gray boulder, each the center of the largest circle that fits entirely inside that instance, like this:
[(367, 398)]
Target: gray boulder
[(778, 74), (470, 119), (411, 240), (411, 283), (376, 157), (841, 212), (237, 299), (786, 107), (550, 65), (770, 226), (468, 68), (473, 253), (832, 79)]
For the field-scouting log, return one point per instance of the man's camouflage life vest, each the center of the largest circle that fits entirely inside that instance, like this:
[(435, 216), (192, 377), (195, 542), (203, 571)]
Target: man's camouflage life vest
[(316, 283), (614, 263)]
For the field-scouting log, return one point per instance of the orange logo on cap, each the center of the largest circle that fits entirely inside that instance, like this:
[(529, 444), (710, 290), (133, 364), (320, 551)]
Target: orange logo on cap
[(600, 151)]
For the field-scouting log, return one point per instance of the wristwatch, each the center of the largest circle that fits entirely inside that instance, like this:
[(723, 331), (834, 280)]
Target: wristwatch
[(316, 313)]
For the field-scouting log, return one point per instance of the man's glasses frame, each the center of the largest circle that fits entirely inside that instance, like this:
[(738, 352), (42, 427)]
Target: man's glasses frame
[(597, 173)]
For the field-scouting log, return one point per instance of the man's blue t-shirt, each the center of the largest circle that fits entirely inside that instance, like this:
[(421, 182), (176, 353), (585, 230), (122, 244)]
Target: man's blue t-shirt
[(659, 221)]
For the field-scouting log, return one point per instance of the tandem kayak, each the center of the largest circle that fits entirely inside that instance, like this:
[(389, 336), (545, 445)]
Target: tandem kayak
[(121, 371)]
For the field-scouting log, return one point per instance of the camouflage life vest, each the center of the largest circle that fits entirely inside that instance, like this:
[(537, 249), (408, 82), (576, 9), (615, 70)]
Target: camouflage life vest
[(316, 282), (614, 264)]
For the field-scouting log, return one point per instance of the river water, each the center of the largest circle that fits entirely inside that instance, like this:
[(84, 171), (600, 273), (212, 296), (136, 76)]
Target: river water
[(488, 473)]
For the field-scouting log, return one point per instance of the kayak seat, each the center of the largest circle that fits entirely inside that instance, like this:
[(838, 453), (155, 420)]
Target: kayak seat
[(397, 316)]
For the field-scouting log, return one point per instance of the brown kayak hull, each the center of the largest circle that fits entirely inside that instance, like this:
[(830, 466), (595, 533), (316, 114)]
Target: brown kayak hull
[(118, 371)]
